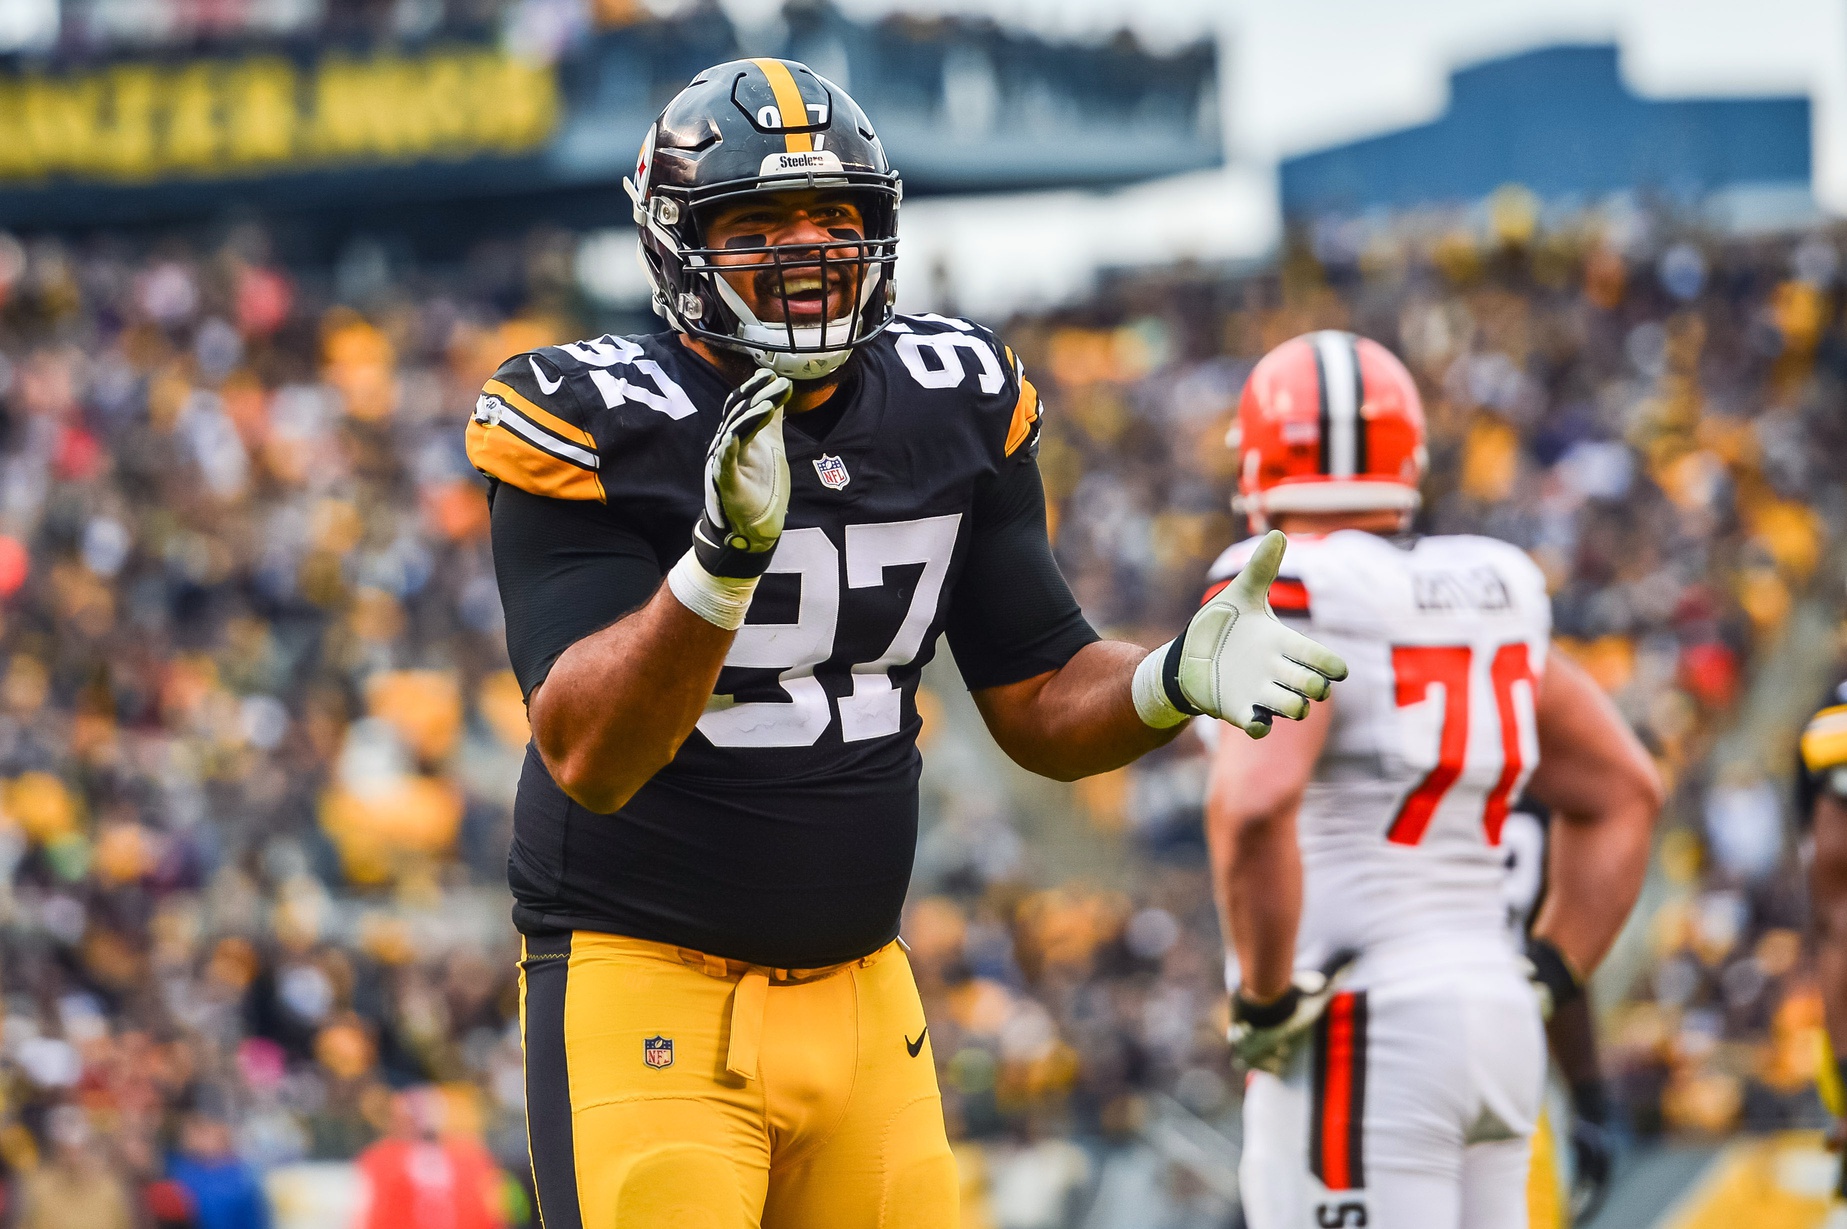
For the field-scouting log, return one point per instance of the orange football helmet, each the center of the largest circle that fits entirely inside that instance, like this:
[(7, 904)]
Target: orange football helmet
[(1329, 422)]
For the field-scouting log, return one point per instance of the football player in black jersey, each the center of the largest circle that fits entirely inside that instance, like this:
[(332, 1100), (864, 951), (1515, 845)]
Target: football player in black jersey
[(1571, 1036), (1821, 805), (716, 821)]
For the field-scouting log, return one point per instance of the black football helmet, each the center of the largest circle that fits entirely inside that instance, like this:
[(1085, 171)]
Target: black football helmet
[(749, 128)]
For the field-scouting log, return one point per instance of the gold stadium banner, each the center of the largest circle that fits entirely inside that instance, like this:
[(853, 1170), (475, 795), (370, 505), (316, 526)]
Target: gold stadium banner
[(142, 122)]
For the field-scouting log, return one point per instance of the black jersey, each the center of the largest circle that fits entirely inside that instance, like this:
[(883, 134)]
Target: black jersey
[(784, 830), (1822, 752)]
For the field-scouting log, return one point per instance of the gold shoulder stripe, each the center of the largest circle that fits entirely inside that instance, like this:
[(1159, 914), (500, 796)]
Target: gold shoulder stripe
[(492, 410), (545, 418), (503, 454), (1025, 414), (1824, 742), (789, 104)]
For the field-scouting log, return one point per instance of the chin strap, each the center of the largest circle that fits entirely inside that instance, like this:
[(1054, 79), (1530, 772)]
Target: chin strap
[(811, 364), (799, 366)]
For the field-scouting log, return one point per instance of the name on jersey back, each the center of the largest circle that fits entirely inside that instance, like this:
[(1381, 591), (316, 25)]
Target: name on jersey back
[(1477, 588)]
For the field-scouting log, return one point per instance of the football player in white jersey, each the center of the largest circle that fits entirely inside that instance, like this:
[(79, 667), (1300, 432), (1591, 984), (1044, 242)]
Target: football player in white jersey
[(1396, 1039)]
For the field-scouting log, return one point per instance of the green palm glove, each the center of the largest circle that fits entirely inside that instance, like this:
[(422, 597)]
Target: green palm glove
[(1236, 661), (746, 499)]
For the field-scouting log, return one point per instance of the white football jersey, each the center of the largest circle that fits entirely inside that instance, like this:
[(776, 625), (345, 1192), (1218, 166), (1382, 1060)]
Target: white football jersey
[(1433, 738)]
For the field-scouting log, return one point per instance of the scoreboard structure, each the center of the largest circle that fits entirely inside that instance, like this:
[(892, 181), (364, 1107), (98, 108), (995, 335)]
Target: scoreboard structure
[(962, 106)]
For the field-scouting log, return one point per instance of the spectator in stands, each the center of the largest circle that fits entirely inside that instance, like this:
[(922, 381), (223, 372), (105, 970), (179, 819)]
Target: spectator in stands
[(226, 1193), (419, 1177), (75, 1187)]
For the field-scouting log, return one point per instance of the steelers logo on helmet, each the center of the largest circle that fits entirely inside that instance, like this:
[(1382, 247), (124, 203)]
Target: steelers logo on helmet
[(750, 129), (1329, 422)]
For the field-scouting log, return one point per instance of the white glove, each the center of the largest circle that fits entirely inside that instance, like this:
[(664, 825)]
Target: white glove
[(1264, 1037), (1236, 661), (746, 499)]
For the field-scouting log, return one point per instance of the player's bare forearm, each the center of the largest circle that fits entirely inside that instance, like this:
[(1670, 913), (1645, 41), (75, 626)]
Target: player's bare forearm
[(1573, 1040), (617, 704), (1604, 794), (1596, 866), (1258, 866), (1077, 720), (1828, 887), (1252, 799)]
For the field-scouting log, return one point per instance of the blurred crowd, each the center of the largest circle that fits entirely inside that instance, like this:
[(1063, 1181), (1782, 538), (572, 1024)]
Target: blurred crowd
[(258, 738)]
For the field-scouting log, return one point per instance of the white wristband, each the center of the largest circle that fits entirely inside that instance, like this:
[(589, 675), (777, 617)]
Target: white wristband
[(721, 601), (1150, 693)]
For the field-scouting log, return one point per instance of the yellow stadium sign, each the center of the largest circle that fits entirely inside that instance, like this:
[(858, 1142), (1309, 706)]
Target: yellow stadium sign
[(257, 115)]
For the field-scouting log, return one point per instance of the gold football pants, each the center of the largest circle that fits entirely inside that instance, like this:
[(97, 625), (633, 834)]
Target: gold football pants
[(667, 1089), (1547, 1201)]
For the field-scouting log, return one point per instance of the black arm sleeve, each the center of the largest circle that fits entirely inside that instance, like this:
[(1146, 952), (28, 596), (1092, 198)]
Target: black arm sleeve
[(565, 569), (1012, 615)]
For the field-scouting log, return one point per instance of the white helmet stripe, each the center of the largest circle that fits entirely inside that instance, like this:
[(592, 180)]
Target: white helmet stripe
[(1338, 362), (1335, 495)]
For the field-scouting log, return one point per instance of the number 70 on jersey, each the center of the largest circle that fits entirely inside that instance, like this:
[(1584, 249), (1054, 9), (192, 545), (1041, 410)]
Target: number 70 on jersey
[(1421, 672)]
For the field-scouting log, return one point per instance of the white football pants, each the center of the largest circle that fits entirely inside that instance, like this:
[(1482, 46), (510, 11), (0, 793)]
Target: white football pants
[(1412, 1108)]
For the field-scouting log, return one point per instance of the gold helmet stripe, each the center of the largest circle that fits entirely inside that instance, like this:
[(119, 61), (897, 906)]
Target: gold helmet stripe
[(1824, 742), (789, 104)]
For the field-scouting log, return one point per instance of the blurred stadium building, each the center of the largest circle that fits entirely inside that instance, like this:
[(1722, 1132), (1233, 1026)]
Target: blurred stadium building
[(258, 739), (1561, 123)]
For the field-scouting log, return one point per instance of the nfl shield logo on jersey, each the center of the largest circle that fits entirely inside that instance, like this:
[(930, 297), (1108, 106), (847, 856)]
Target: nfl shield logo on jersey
[(657, 1051), (833, 472)]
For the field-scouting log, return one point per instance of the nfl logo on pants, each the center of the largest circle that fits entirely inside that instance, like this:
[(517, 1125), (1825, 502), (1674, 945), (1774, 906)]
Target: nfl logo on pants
[(657, 1051)]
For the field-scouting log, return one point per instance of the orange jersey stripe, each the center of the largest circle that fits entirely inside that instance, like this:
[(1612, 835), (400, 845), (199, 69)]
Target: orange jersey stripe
[(1025, 414), (1287, 596), (545, 418), (506, 456)]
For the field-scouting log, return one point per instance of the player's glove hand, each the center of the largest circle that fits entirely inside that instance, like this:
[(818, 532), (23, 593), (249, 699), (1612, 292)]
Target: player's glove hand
[(1265, 1036), (1236, 661), (746, 480), (1555, 982), (746, 499)]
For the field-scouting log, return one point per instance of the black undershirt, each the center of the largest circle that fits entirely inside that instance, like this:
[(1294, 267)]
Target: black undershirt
[(818, 422)]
